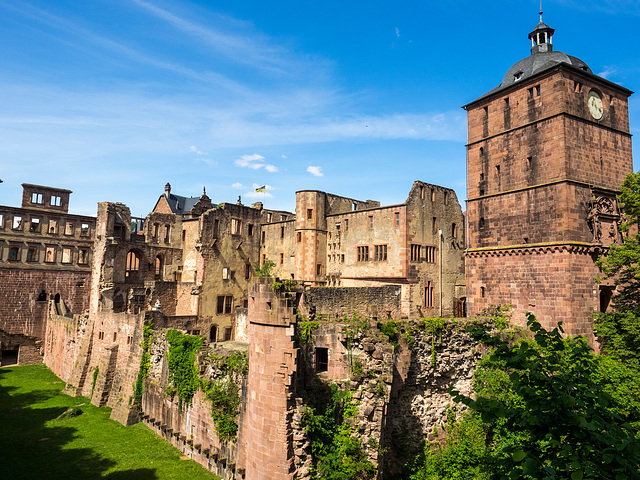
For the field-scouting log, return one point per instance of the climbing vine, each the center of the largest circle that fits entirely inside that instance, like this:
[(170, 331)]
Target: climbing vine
[(224, 393), (96, 371), (183, 372), (145, 365)]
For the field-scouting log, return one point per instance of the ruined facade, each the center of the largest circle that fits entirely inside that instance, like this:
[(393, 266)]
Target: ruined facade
[(547, 152), (46, 254)]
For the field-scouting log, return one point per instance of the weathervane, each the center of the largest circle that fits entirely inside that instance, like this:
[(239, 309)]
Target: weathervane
[(540, 11)]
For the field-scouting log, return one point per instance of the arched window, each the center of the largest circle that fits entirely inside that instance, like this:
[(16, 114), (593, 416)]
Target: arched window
[(133, 262), (213, 333)]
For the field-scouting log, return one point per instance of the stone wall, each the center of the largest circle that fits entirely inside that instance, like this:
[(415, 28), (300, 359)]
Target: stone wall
[(332, 303), (18, 349)]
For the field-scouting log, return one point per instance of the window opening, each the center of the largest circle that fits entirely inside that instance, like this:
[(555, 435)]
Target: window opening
[(36, 198), (428, 294), (17, 223), (309, 213), (68, 228), (322, 359), (55, 201), (35, 225), (53, 227), (380, 253)]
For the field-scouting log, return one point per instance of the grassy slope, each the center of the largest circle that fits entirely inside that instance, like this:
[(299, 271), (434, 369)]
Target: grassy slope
[(35, 444)]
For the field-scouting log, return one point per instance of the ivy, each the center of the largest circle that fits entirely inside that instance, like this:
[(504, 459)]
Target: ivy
[(224, 394), (266, 270), (337, 453), (145, 365), (306, 332), (183, 372), (96, 372)]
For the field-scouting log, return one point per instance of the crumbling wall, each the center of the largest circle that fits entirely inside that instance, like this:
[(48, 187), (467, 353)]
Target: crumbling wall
[(18, 349), (62, 343), (332, 303)]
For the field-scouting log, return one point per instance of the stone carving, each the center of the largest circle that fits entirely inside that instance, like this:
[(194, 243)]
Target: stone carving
[(594, 221)]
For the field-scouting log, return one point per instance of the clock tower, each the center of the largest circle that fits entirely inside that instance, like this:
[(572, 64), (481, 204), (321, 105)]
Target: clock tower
[(547, 152)]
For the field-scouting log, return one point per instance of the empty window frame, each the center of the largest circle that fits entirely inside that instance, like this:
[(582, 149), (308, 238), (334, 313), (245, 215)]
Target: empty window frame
[(133, 262), (33, 253), (236, 226), (435, 224), (428, 294), (50, 254), (363, 253), (247, 271), (225, 273), (17, 223), (158, 266), (454, 230), (397, 219), (282, 232), (53, 227), (250, 230), (421, 192), (68, 228), (322, 359), (225, 303), (430, 253), (167, 233), (416, 253), (227, 334), (83, 256), (34, 227), (299, 237), (55, 201), (264, 237), (268, 217), (318, 269), (1, 221), (154, 233), (370, 222), (433, 194), (281, 258), (37, 198), (66, 255), (309, 213), (380, 253), (346, 225), (534, 92)]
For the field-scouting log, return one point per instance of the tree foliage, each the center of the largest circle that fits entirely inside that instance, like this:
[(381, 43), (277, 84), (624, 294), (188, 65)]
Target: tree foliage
[(183, 372), (557, 418), (266, 270)]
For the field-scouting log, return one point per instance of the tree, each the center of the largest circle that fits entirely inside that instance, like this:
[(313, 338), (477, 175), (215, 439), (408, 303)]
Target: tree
[(619, 332), (561, 423)]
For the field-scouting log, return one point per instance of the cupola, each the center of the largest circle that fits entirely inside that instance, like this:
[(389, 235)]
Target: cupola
[(541, 38)]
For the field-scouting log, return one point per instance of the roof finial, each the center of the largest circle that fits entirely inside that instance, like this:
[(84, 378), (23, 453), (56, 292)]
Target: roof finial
[(541, 10)]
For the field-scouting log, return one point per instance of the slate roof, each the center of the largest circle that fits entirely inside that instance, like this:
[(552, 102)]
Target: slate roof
[(181, 205)]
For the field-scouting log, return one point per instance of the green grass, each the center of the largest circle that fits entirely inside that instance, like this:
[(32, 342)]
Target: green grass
[(35, 443)]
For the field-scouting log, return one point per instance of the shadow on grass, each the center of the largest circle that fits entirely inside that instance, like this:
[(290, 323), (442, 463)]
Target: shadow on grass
[(32, 446)]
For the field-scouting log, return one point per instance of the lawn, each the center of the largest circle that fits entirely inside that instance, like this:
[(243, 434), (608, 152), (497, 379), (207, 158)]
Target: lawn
[(37, 443)]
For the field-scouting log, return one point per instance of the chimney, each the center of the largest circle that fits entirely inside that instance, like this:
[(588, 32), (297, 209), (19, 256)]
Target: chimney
[(167, 190)]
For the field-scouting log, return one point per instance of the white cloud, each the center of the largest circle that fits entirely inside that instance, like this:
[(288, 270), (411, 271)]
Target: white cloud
[(196, 150), (315, 171), (237, 185), (255, 162), (397, 33), (607, 72), (284, 156)]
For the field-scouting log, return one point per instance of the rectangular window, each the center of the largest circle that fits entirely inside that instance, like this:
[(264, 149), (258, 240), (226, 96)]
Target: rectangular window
[(370, 222), (167, 232), (346, 225), (156, 227), (100, 335), (68, 228), (36, 198), (247, 271), (281, 258), (33, 254), (428, 294), (216, 228), (342, 258), (299, 237), (250, 230), (227, 334), (397, 219), (363, 254), (322, 359), (283, 217), (281, 232), (83, 256), (435, 225), (454, 230), (268, 217), (228, 302), (416, 253), (55, 201), (380, 253), (264, 258), (17, 223), (263, 237), (184, 235), (50, 255), (236, 226), (14, 253), (220, 308), (1, 221), (35, 225), (66, 255), (53, 227), (433, 194), (421, 192), (309, 213), (430, 254)]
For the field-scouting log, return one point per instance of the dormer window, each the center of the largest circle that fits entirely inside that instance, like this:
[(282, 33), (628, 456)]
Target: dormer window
[(518, 75)]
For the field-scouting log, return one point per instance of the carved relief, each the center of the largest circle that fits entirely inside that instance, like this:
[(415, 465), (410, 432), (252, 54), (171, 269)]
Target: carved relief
[(603, 216)]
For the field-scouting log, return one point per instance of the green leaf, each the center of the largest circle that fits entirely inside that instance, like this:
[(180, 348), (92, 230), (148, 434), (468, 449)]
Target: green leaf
[(518, 455), (577, 475)]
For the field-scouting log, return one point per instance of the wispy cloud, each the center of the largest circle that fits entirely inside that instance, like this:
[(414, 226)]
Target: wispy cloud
[(255, 162), (397, 32), (608, 71), (238, 185), (196, 150), (315, 171)]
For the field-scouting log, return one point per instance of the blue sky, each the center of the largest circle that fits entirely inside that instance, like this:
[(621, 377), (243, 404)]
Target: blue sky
[(114, 98)]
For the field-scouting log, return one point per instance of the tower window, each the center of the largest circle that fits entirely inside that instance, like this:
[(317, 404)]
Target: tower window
[(486, 112), (577, 87), (506, 103), (498, 170), (322, 359), (481, 222), (310, 214)]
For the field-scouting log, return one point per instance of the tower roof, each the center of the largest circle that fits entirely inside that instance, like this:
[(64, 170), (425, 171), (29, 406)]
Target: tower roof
[(542, 58)]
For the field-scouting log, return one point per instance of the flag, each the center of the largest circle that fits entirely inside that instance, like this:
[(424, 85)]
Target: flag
[(261, 189)]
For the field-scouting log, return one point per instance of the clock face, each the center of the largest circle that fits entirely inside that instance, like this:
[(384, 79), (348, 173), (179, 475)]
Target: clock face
[(594, 102)]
